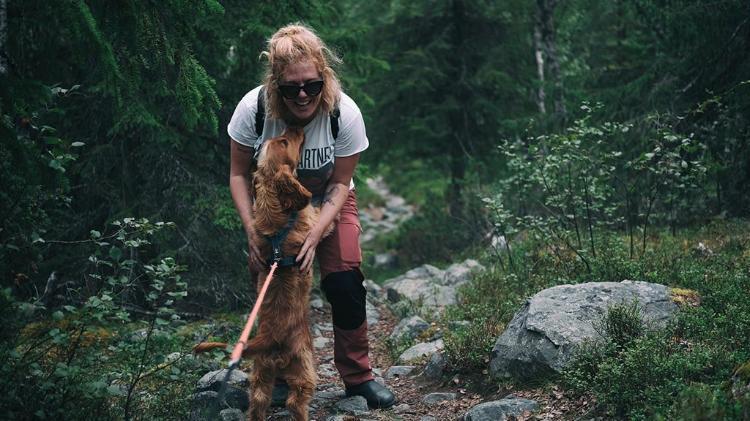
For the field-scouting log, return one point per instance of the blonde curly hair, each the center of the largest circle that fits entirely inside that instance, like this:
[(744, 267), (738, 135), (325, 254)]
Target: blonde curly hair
[(291, 44)]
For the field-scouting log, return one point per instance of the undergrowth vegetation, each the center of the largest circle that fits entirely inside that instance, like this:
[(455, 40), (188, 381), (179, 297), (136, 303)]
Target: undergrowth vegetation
[(117, 348), (633, 370)]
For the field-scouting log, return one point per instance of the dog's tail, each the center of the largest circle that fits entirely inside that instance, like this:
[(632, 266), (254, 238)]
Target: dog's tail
[(208, 346), (256, 345)]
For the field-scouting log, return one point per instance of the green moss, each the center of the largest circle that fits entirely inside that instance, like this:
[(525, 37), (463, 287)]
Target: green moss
[(684, 296)]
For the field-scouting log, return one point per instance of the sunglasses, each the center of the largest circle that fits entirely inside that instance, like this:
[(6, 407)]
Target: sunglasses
[(310, 88)]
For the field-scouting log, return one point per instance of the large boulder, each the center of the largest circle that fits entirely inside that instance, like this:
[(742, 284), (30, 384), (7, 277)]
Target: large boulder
[(430, 286), (542, 336)]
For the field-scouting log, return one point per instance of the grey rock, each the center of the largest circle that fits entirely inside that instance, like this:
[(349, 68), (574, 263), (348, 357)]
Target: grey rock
[(330, 395), (435, 367), (428, 418), (500, 410), (317, 303), (433, 398), (232, 414), (213, 380), (205, 404), (544, 334), (409, 328), (237, 390), (385, 260), (401, 408), (325, 327), (372, 313), (460, 273), (327, 369), (430, 286), (420, 352), (354, 405), (373, 289), (321, 342), (702, 250), (399, 371)]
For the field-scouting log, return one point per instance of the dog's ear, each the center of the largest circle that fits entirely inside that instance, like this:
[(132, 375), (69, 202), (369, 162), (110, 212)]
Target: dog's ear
[(292, 194)]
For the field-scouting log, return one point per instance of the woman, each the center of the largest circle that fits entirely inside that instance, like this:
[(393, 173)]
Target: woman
[(301, 89)]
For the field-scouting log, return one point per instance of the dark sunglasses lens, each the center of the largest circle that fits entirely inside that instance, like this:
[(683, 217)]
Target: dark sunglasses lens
[(290, 91), (313, 88)]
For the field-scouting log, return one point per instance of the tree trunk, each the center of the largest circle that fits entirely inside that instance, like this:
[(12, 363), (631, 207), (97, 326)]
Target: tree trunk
[(545, 24), (3, 37), (459, 118), (539, 55)]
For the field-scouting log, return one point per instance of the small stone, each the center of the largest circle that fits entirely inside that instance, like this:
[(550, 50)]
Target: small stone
[(500, 410), (409, 328), (232, 414), (325, 327), (399, 371), (420, 351), (404, 407), (372, 313), (321, 342), (317, 303), (326, 369), (354, 405), (373, 288), (329, 395), (435, 366), (433, 398)]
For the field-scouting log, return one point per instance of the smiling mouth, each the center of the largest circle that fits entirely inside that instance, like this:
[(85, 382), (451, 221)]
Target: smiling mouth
[(302, 104)]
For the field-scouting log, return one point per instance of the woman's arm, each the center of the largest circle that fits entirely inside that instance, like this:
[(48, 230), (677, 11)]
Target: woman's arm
[(335, 196), (240, 176)]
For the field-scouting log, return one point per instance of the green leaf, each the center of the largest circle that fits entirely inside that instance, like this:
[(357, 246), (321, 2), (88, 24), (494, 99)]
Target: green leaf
[(58, 315), (115, 253)]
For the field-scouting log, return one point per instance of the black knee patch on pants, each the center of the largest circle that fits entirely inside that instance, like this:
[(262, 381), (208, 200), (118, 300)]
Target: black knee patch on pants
[(345, 292)]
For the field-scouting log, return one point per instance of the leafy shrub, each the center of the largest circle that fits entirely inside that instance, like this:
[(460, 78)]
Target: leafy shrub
[(112, 350)]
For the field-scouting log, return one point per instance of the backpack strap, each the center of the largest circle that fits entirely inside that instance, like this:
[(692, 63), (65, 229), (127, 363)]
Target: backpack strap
[(260, 112), (260, 115), (335, 122)]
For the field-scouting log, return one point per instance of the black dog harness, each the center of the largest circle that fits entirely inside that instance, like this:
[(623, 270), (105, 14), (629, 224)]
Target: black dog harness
[(277, 240)]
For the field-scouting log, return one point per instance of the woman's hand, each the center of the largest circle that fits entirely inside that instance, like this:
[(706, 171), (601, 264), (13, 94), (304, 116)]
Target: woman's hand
[(254, 259), (307, 253)]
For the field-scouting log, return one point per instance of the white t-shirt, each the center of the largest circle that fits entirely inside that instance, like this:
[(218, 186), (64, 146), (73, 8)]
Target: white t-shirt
[(320, 149)]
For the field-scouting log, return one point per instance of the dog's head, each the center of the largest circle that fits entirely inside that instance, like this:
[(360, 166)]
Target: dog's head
[(277, 168), (282, 150)]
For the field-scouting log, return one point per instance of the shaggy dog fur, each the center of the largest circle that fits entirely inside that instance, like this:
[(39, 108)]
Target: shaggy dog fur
[(282, 347)]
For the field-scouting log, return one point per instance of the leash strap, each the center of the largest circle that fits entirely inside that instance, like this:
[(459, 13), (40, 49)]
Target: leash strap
[(240, 346)]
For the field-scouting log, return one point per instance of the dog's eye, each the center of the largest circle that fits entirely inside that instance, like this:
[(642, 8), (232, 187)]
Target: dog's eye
[(285, 142)]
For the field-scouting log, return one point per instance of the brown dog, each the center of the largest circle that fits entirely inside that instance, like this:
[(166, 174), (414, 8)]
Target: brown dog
[(282, 347)]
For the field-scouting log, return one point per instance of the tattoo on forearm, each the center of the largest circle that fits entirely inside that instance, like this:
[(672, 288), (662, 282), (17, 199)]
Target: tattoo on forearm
[(330, 193)]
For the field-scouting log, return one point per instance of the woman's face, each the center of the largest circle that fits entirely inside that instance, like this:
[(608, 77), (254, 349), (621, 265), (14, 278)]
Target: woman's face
[(304, 107)]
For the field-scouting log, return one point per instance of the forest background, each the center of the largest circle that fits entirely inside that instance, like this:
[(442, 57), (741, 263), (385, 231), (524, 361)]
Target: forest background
[(591, 134)]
